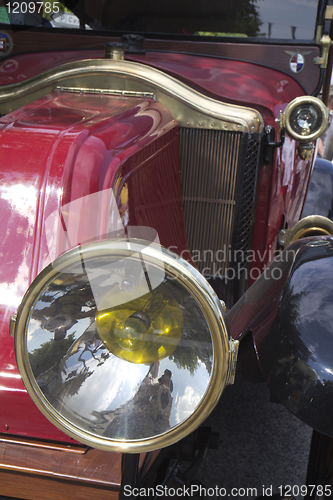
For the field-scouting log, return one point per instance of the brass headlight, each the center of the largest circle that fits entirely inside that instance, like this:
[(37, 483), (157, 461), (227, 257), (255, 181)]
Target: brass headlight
[(123, 345), (305, 118)]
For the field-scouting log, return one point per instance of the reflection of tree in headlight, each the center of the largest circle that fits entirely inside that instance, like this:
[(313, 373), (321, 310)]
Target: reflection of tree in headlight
[(60, 379), (64, 311)]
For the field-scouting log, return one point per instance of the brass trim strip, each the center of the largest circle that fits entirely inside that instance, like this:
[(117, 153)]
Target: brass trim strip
[(123, 93), (188, 107), (233, 353), (329, 13)]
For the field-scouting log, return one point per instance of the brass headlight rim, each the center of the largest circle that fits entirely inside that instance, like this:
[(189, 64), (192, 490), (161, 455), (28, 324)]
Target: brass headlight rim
[(305, 100), (192, 280), (306, 227)]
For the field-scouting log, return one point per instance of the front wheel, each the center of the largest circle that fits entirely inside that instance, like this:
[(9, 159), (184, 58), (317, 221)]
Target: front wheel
[(320, 467)]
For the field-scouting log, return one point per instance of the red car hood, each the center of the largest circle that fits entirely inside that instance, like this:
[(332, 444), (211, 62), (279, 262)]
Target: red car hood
[(63, 148), (241, 82)]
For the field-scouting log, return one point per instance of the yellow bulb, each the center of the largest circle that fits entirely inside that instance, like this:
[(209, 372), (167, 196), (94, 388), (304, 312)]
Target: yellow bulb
[(140, 330)]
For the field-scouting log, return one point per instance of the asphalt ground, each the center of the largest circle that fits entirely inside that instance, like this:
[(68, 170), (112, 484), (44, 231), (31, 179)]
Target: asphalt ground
[(262, 445)]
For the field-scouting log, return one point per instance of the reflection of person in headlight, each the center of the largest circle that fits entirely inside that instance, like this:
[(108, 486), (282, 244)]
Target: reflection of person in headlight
[(146, 414), (164, 399)]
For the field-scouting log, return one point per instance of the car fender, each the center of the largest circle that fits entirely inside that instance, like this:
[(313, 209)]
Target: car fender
[(289, 313)]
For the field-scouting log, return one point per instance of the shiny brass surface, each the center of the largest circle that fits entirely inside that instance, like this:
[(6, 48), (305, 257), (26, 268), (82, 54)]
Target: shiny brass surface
[(12, 325), (306, 151), (187, 106), (115, 51), (326, 43), (291, 107), (233, 349), (115, 92), (313, 225), (310, 231), (319, 34), (223, 306), (178, 271), (329, 12)]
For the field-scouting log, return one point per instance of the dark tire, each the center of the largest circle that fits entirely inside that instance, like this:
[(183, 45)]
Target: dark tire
[(320, 466)]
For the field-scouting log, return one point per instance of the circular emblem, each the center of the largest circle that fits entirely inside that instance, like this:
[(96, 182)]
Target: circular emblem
[(296, 63), (6, 44), (297, 60)]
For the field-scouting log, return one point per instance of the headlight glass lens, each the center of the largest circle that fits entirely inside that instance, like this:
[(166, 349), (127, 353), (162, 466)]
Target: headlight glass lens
[(306, 119), (119, 348), (142, 330)]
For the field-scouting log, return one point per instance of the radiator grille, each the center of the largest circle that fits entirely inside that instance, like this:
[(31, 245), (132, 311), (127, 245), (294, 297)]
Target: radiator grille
[(219, 171)]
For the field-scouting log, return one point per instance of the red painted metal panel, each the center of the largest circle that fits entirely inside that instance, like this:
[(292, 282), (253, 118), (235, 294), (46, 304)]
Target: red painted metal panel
[(236, 81), (281, 194), (62, 157)]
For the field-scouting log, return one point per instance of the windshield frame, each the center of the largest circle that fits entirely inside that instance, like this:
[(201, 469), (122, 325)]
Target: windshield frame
[(86, 22)]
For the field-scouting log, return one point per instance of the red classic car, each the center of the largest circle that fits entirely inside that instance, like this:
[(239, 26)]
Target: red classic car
[(155, 160)]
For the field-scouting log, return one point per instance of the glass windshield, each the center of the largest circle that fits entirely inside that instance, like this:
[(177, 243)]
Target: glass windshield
[(282, 19)]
